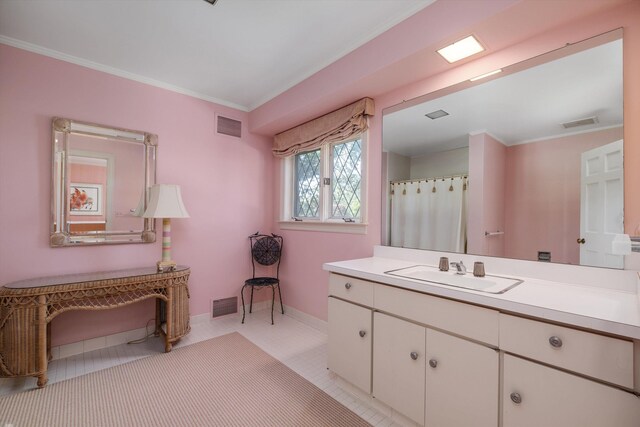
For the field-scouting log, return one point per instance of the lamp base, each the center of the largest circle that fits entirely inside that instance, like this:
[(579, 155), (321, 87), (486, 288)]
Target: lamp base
[(165, 266)]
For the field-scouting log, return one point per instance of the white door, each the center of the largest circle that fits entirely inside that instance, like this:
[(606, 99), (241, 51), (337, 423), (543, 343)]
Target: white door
[(349, 346), (399, 365), (462, 382), (601, 205)]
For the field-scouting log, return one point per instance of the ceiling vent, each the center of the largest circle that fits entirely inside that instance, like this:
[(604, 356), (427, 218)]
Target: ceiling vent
[(227, 126), (437, 114), (580, 122)]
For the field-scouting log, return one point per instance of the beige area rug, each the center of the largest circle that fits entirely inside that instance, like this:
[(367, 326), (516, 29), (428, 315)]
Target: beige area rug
[(224, 381)]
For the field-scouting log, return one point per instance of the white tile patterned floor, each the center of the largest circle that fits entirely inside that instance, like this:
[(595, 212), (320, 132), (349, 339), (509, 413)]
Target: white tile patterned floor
[(298, 346)]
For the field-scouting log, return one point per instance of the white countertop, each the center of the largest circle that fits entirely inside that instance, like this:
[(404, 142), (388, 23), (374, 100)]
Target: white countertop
[(600, 309)]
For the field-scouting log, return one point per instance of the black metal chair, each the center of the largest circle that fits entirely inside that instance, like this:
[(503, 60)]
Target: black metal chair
[(265, 250)]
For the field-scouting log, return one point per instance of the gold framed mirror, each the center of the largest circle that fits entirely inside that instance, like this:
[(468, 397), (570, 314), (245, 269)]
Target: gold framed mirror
[(100, 181)]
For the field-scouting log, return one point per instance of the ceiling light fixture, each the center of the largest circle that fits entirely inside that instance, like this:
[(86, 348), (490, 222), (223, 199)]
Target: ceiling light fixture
[(461, 49), (482, 76), (212, 2), (437, 114)]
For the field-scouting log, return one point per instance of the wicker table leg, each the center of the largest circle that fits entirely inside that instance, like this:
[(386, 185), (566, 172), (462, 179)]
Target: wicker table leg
[(169, 314), (158, 330), (42, 341)]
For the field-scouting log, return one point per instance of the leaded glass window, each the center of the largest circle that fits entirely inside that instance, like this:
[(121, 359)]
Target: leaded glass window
[(346, 179), (307, 185)]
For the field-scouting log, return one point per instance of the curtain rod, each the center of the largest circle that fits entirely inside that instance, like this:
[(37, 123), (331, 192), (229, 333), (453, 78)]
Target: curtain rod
[(428, 179)]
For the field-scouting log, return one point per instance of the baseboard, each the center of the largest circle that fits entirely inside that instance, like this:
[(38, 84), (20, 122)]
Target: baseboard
[(307, 319), (72, 349), (300, 316)]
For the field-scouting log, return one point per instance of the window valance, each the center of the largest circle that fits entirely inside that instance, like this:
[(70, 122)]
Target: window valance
[(338, 125)]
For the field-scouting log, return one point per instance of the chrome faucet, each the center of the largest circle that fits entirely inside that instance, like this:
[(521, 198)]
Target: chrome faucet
[(460, 267)]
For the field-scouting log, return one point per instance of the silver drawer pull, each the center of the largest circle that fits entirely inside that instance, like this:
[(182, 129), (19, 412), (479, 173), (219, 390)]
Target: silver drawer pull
[(362, 333), (414, 355), (433, 363), (555, 342), (347, 286), (516, 398)]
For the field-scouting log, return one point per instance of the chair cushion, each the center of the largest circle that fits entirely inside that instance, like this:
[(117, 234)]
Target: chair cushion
[(262, 281)]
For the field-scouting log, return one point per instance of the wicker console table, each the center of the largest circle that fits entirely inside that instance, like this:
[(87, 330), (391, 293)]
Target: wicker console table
[(28, 306)]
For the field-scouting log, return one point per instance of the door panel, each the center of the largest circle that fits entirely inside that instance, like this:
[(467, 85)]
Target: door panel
[(398, 375), (462, 388), (349, 353), (601, 205)]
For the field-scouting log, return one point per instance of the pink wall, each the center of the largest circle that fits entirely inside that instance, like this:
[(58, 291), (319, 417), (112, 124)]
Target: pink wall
[(226, 183), (495, 155), (475, 221), (212, 241), (543, 190), (523, 30), (487, 165)]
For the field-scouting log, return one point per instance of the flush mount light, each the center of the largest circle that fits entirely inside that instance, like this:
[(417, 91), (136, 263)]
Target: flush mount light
[(461, 49), (437, 114), (482, 76)]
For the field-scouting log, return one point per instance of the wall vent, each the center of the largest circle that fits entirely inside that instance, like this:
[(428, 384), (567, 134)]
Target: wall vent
[(227, 126), (580, 122), (221, 307)]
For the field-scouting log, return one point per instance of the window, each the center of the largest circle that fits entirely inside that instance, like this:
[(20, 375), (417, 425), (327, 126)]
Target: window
[(324, 188)]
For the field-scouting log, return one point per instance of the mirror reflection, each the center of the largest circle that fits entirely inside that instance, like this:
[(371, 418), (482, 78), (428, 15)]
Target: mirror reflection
[(100, 179), (526, 164)]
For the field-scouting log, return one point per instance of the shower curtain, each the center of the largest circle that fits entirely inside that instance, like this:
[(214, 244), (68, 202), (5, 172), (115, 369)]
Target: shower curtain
[(429, 214)]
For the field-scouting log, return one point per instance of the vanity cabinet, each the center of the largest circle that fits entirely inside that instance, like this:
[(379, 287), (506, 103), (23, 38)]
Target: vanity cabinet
[(535, 395), (441, 362), (349, 345)]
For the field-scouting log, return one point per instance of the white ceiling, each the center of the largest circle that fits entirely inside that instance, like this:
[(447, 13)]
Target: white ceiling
[(238, 53), (517, 108)]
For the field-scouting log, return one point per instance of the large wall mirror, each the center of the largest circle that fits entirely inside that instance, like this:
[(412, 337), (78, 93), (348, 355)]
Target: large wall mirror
[(526, 163), (101, 177)]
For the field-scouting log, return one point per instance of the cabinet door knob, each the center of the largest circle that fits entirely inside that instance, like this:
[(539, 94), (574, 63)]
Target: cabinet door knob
[(362, 333), (555, 342), (347, 286), (414, 355), (516, 398), (433, 363)]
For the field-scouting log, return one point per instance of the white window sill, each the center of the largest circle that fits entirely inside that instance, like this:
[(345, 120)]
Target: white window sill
[(327, 227)]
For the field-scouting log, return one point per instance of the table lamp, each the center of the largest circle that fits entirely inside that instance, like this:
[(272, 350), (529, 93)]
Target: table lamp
[(165, 202)]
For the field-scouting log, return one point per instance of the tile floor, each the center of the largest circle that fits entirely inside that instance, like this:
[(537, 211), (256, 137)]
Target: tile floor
[(295, 344)]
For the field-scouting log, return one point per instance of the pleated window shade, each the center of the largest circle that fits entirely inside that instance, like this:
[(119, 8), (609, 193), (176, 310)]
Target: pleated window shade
[(339, 125)]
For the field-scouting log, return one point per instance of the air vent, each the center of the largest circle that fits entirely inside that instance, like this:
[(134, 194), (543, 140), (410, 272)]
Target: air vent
[(580, 122), (221, 307), (437, 114), (227, 126)]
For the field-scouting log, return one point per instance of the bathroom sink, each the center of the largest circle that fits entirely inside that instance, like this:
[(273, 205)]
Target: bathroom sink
[(490, 284)]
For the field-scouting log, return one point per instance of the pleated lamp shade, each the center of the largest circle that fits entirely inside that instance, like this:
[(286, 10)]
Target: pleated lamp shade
[(165, 201)]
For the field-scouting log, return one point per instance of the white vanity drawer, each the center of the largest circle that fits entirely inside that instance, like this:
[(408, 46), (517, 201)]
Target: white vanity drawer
[(351, 289), (597, 356), (477, 323)]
